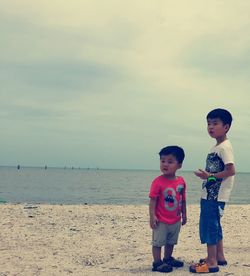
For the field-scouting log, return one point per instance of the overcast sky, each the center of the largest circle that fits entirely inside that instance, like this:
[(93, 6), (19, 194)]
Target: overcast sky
[(109, 83)]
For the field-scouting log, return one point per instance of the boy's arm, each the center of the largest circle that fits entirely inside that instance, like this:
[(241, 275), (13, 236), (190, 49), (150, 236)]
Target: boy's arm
[(184, 212), (153, 218), (229, 170)]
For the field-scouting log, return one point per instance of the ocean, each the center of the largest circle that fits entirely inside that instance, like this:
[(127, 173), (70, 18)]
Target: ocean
[(96, 186)]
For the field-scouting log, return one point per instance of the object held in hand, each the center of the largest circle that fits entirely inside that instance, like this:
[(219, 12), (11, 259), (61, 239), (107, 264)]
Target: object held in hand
[(211, 179)]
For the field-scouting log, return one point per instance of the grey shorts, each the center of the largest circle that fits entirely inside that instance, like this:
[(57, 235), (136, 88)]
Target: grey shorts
[(166, 234)]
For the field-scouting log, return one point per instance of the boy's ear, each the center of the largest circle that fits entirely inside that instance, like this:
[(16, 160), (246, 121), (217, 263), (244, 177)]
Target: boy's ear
[(226, 127), (180, 165)]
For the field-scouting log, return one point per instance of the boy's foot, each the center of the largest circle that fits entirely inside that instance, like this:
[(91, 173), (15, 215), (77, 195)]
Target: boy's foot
[(161, 267), (221, 263), (173, 262), (203, 268)]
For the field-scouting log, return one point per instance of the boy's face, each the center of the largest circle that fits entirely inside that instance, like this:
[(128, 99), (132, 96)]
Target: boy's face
[(169, 165), (216, 128)]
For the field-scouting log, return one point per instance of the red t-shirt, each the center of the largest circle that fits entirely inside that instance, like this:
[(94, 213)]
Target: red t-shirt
[(169, 194)]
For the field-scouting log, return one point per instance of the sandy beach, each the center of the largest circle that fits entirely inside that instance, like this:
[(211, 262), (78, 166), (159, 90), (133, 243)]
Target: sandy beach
[(106, 240)]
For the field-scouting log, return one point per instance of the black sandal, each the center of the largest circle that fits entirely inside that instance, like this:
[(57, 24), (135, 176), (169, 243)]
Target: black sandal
[(173, 262), (161, 267), (221, 263)]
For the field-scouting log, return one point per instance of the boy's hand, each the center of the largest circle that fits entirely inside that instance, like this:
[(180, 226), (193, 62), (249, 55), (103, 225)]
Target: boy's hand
[(184, 220), (153, 222), (202, 174)]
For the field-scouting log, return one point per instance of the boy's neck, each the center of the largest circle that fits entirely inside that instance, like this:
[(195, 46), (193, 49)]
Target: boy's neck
[(220, 140), (170, 177)]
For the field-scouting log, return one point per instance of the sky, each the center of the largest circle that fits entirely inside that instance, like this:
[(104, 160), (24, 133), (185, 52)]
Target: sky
[(107, 84)]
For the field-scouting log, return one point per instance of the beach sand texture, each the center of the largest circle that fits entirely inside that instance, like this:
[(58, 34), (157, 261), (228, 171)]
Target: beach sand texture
[(106, 240)]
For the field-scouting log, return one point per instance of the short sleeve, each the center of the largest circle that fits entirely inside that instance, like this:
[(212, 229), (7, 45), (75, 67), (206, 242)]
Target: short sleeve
[(227, 155), (154, 189), (184, 191)]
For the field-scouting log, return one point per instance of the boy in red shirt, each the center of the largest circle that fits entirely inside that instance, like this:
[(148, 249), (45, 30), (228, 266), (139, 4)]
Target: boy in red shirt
[(167, 208)]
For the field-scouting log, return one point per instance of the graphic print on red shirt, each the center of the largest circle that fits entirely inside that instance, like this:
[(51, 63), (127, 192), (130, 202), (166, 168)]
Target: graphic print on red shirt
[(169, 194)]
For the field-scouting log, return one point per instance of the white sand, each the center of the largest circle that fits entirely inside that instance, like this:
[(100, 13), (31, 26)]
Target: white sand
[(106, 240)]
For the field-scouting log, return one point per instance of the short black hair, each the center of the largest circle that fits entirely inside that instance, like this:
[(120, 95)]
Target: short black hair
[(176, 151), (222, 114)]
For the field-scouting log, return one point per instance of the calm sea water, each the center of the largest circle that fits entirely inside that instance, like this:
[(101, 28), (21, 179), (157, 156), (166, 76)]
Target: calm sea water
[(79, 186)]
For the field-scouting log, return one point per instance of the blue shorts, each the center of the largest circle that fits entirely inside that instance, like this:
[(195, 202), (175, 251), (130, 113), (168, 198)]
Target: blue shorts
[(210, 226)]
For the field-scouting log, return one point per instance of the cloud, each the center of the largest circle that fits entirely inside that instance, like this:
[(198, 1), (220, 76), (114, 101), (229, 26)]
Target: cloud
[(120, 78), (219, 55), (58, 75)]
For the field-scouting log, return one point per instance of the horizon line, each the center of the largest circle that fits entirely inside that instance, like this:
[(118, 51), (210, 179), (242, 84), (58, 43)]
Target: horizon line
[(89, 168)]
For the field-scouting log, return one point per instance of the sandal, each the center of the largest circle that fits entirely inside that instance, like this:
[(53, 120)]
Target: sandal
[(203, 268), (161, 267), (173, 262), (222, 263)]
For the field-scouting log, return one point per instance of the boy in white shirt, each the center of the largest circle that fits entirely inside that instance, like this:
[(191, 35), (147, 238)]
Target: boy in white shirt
[(218, 179)]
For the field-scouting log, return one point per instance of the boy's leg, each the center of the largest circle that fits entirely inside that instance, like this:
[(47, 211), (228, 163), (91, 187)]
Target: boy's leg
[(168, 251), (219, 254), (211, 230), (158, 240), (156, 251), (168, 259), (212, 255), (172, 239), (158, 264), (173, 234), (220, 251), (210, 266)]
